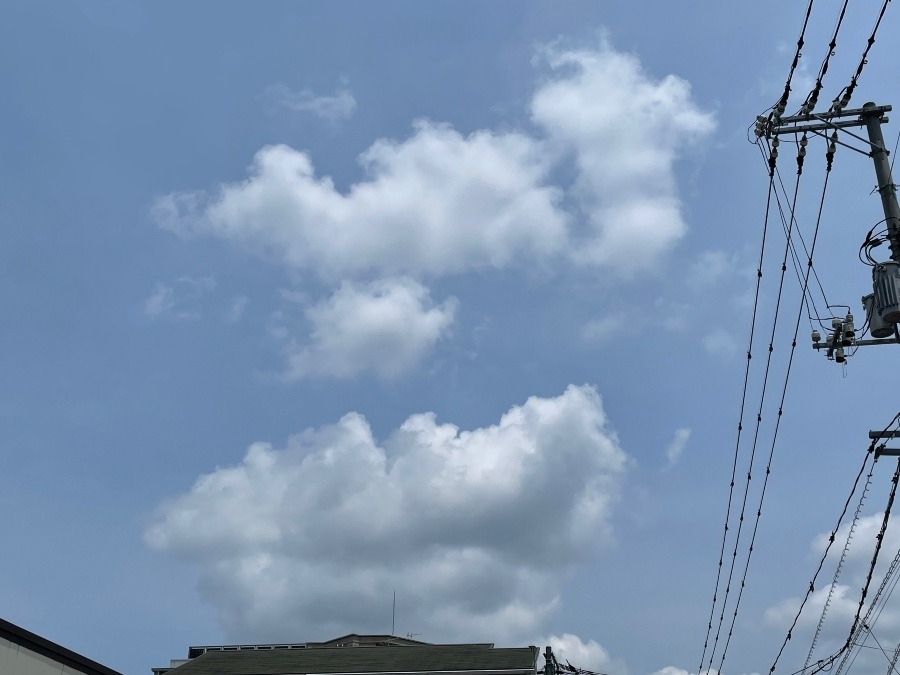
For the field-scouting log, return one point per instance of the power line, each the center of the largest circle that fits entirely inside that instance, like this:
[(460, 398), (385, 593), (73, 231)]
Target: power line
[(813, 98), (759, 417), (831, 538), (829, 161), (840, 565), (779, 108), (740, 425), (879, 539), (842, 100)]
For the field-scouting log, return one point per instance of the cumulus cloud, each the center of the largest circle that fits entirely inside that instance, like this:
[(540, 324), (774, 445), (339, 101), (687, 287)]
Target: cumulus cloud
[(676, 446), (385, 327), (180, 299), (625, 130), (332, 108), (440, 202), (475, 530), (588, 655)]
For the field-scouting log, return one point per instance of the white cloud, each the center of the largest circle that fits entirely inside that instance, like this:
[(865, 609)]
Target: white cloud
[(708, 268), (475, 530), (435, 203), (332, 108), (841, 610), (180, 299), (385, 326), (238, 307), (625, 130), (674, 670), (439, 202), (588, 655), (676, 446), (720, 342), (600, 330)]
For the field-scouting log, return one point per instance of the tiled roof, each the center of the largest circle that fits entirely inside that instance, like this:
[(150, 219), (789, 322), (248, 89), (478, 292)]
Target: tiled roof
[(390, 659)]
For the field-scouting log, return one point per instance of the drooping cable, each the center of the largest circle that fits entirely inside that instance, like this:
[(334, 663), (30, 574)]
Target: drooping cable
[(879, 539), (740, 425), (840, 566), (759, 419), (812, 309), (831, 538), (842, 100), (829, 160), (779, 108), (809, 105)]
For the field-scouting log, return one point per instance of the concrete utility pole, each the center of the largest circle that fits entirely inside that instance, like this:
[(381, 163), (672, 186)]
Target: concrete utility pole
[(882, 306), (873, 118)]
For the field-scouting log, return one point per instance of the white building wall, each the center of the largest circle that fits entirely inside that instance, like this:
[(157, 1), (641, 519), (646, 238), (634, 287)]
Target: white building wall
[(18, 660)]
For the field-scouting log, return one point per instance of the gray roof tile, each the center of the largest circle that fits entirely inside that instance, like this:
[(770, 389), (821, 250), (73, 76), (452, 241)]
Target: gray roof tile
[(333, 660)]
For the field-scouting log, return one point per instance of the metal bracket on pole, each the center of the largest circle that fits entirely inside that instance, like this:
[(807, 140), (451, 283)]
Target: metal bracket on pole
[(881, 451)]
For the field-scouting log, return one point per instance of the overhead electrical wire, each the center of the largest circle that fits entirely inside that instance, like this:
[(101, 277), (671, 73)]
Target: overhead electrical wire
[(756, 295), (779, 108), (879, 539), (831, 538), (891, 662), (840, 566), (795, 258), (829, 156), (788, 213), (842, 100), (851, 642), (759, 418), (809, 105)]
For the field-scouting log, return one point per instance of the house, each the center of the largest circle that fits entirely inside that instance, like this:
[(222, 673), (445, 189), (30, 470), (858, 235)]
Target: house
[(356, 655), (24, 653)]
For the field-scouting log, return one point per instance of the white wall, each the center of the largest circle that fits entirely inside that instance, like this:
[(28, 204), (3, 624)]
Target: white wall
[(18, 660)]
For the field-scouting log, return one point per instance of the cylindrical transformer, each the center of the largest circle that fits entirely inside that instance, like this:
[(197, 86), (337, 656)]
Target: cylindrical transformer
[(886, 282), (877, 327)]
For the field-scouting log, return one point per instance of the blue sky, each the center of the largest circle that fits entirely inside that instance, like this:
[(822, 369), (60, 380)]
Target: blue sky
[(311, 303)]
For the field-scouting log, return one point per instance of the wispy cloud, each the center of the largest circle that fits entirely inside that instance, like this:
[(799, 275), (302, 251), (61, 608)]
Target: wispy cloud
[(720, 343), (676, 446), (600, 330), (330, 107), (180, 299), (238, 307)]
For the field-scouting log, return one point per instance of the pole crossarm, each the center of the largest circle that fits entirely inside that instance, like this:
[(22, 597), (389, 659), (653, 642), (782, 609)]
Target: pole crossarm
[(859, 343), (875, 435), (797, 124)]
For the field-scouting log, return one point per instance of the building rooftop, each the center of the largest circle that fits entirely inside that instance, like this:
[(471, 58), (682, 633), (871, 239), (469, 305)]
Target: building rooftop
[(418, 658)]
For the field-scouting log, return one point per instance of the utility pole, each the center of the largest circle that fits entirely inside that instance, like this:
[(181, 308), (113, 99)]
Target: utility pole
[(549, 662), (882, 306), (873, 119)]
